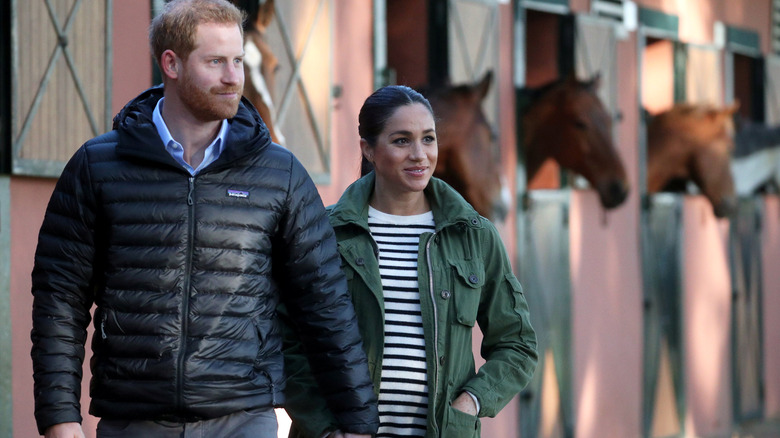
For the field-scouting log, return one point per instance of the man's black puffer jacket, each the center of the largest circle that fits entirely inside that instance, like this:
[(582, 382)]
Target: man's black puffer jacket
[(186, 273)]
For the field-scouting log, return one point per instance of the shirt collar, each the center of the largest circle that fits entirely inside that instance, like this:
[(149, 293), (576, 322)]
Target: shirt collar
[(171, 145)]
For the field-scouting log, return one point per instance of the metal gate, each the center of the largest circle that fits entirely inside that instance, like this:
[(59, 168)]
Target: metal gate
[(663, 402), (543, 268), (472, 29), (301, 35), (61, 80), (747, 357)]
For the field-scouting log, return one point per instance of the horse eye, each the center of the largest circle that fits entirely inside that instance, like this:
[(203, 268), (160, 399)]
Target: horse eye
[(581, 125)]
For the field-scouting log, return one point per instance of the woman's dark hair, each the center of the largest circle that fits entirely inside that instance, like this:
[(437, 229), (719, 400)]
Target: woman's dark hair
[(377, 110)]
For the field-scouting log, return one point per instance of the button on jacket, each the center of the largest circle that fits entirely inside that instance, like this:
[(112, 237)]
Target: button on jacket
[(186, 273), (464, 278)]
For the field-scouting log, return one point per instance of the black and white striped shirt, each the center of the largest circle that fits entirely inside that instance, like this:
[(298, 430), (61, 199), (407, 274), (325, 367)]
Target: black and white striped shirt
[(403, 391)]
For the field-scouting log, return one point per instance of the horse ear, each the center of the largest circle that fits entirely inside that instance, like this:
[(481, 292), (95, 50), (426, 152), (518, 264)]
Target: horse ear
[(265, 14), (484, 84)]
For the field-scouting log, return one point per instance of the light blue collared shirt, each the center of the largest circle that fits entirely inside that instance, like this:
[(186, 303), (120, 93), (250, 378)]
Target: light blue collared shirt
[(177, 151)]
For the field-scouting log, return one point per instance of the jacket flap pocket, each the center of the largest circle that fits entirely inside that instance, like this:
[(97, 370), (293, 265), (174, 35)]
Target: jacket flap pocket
[(471, 272)]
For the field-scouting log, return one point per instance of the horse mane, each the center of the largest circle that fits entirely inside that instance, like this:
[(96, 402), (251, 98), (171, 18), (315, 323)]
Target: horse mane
[(525, 97)]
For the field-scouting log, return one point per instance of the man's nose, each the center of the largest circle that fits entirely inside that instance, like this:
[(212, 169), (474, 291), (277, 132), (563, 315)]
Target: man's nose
[(234, 73)]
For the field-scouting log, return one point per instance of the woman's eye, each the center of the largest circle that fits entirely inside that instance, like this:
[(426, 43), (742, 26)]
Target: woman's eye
[(429, 139)]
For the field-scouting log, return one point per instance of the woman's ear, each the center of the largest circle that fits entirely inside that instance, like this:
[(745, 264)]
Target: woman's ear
[(366, 150)]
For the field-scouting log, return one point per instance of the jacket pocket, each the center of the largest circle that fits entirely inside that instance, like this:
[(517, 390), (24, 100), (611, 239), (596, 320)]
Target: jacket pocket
[(458, 424), (517, 293), (467, 289)]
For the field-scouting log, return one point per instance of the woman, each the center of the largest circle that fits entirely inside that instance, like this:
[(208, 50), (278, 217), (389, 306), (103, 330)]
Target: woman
[(420, 259)]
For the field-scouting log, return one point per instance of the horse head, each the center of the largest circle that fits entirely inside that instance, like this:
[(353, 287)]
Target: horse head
[(260, 62), (692, 142), (469, 158), (565, 121)]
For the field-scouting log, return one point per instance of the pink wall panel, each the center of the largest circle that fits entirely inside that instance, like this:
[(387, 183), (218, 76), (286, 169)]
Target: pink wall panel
[(607, 318), (28, 202), (353, 71), (132, 60), (706, 320), (771, 303)]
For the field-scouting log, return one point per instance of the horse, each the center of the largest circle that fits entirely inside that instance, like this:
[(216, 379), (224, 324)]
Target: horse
[(693, 142), (260, 63), (565, 122), (469, 158)]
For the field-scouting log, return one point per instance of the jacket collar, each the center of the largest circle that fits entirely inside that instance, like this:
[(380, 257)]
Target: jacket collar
[(138, 135), (448, 206)]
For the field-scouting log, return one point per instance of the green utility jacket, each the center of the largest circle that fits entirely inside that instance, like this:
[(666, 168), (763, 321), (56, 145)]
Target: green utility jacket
[(464, 277)]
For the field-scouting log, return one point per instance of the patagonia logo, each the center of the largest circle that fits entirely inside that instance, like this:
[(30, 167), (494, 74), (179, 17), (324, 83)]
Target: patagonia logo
[(237, 193)]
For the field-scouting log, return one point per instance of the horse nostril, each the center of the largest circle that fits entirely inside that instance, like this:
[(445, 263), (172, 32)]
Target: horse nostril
[(616, 192), (726, 207)]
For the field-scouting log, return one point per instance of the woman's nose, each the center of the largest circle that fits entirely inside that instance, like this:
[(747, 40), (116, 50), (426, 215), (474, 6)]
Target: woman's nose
[(418, 153)]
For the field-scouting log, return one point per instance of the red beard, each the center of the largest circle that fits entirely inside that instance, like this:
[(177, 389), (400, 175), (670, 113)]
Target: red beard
[(208, 105)]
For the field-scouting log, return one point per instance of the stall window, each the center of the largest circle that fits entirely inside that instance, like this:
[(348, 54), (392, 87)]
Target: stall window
[(60, 81)]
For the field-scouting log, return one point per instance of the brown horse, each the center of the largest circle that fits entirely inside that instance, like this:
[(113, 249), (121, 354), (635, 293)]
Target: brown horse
[(260, 63), (566, 122), (469, 158), (693, 143)]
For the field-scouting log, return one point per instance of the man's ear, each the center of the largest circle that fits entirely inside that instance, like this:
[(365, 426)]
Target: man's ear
[(169, 64)]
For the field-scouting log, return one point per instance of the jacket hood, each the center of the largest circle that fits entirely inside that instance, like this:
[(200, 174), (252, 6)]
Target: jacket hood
[(448, 206), (138, 136)]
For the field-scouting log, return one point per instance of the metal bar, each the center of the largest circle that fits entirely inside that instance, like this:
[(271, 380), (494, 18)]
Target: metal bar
[(296, 73), (460, 35), (6, 375), (36, 101), (487, 35), (47, 75), (80, 91), (314, 125), (380, 43)]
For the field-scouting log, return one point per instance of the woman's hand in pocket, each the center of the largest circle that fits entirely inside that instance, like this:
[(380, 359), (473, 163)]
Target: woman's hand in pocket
[(465, 403)]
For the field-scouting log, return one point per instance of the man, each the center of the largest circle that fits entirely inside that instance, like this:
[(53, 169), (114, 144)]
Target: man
[(186, 226)]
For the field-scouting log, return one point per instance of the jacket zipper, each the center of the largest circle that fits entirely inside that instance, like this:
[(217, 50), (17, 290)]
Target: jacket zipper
[(273, 387), (185, 310), (103, 326), (435, 319)]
